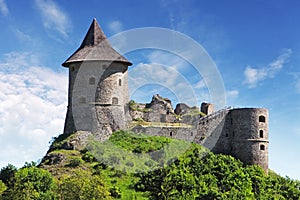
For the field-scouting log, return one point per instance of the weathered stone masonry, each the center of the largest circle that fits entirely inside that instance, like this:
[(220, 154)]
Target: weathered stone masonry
[(98, 104)]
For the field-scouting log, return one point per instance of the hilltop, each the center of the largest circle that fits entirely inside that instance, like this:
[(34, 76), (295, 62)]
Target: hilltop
[(137, 166)]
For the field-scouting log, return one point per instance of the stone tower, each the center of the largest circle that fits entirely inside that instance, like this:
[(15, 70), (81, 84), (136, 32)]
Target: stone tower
[(98, 86), (245, 136)]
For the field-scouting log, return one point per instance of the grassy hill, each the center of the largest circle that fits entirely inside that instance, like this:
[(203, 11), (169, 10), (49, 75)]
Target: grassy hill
[(136, 166)]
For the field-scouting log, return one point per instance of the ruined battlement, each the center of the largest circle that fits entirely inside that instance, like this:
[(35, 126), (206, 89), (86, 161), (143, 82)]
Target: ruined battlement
[(240, 132)]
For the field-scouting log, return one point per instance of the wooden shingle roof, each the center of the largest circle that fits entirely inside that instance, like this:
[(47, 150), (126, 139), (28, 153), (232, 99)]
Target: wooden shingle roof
[(95, 47)]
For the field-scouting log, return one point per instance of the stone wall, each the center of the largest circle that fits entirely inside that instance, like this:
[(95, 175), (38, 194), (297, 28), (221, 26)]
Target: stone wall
[(242, 133)]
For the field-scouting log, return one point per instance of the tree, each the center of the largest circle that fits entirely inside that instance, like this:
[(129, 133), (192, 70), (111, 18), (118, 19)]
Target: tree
[(32, 183), (7, 174), (82, 185), (2, 187)]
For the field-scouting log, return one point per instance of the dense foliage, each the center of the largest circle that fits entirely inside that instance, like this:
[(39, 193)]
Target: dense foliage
[(194, 174), (215, 177)]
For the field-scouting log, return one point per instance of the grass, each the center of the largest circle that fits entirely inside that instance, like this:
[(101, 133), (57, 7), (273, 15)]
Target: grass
[(134, 106), (119, 159)]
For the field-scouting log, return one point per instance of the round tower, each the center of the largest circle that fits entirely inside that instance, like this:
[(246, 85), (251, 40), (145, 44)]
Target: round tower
[(249, 135), (98, 86)]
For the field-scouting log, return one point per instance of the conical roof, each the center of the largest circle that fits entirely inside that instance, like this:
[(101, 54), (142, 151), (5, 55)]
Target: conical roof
[(95, 47)]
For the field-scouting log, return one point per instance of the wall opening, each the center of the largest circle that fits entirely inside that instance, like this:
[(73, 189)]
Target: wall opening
[(226, 135), (261, 133), (120, 82), (115, 101), (171, 134), (262, 147), (82, 100), (262, 118), (92, 81), (192, 133)]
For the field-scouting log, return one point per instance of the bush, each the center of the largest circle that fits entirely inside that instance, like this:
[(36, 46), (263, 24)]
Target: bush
[(115, 192), (2, 187), (130, 164), (75, 162), (32, 183), (88, 157)]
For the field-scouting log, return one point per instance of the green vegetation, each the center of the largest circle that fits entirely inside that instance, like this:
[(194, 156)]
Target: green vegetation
[(138, 143), (2, 187), (130, 152), (136, 166), (194, 112), (134, 106), (30, 183)]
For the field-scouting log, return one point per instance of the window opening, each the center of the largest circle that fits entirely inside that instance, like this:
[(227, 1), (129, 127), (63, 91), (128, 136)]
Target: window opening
[(262, 147), (82, 100), (261, 133), (262, 118), (92, 81), (115, 101)]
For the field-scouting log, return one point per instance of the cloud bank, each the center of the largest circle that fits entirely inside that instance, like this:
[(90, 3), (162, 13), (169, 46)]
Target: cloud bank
[(32, 108)]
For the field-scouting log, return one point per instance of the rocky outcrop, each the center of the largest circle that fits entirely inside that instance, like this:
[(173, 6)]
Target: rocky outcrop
[(158, 110), (182, 109)]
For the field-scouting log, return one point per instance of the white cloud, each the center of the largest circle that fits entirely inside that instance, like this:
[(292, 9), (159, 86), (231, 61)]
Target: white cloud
[(53, 16), (232, 94), (253, 76), (115, 26), (32, 108), (3, 8)]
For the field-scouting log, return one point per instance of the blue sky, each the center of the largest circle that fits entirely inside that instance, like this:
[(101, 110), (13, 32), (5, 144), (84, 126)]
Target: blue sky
[(255, 45)]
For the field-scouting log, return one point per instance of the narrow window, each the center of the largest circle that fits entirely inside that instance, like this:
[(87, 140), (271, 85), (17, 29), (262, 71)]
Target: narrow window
[(120, 82), (262, 147), (82, 100), (261, 133), (92, 81), (226, 135), (171, 134), (192, 133), (262, 118), (115, 101)]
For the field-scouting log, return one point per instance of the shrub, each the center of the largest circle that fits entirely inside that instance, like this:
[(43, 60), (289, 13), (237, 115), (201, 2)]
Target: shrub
[(130, 164), (74, 162), (115, 192)]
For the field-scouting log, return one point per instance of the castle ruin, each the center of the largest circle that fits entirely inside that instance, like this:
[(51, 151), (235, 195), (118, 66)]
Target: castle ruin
[(98, 103)]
